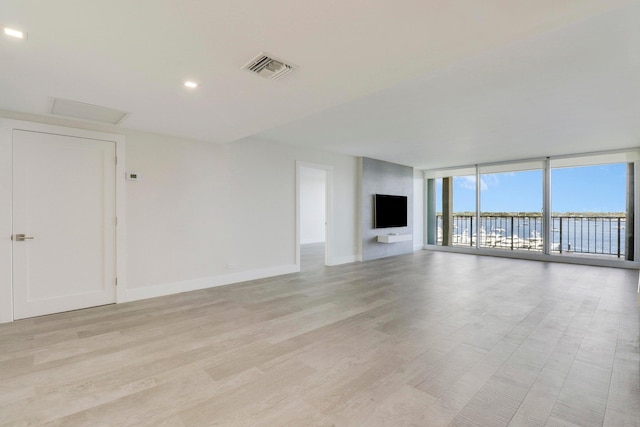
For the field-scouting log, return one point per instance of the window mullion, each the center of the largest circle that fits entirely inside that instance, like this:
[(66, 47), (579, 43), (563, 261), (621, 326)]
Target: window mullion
[(546, 208), (478, 190)]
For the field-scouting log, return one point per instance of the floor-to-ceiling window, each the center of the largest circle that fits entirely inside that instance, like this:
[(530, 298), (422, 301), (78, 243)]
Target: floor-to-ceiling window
[(453, 205), (577, 206), (511, 201), (592, 208)]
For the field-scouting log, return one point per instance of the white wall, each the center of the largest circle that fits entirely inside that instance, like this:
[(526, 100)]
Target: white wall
[(312, 205), (206, 214), (418, 210)]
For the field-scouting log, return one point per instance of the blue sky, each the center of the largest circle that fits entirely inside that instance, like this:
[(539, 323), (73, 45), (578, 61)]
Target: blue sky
[(581, 189)]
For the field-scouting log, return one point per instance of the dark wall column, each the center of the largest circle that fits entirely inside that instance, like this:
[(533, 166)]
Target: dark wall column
[(628, 229), (447, 211), (432, 221)]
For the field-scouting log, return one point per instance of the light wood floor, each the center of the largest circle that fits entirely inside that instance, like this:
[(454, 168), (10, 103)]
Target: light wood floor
[(426, 339), (312, 256)]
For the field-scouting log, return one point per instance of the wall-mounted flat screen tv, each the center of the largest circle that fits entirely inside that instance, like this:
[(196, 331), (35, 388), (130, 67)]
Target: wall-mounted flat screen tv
[(389, 211)]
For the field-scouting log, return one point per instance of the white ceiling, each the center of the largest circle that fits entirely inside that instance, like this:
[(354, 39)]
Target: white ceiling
[(423, 83)]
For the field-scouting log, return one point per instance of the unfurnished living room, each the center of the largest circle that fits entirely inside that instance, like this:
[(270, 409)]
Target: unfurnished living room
[(355, 213)]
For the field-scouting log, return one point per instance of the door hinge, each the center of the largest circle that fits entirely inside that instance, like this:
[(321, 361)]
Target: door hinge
[(116, 281), (116, 160)]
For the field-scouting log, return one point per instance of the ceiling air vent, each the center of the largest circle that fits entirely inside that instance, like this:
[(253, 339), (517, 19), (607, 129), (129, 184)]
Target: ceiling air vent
[(268, 67)]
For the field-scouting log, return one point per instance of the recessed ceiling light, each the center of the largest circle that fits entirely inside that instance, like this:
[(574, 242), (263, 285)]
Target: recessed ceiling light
[(13, 33), (191, 85)]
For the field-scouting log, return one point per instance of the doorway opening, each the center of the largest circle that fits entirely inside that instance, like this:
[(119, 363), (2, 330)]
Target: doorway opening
[(313, 216)]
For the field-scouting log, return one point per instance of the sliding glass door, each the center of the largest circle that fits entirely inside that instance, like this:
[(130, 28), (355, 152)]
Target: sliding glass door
[(591, 208), (455, 210), (511, 200)]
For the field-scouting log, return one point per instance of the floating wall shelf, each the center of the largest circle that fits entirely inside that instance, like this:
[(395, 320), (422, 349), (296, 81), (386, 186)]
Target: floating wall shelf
[(394, 238)]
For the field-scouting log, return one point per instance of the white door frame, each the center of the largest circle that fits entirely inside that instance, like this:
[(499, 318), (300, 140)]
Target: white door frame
[(7, 126), (328, 209)]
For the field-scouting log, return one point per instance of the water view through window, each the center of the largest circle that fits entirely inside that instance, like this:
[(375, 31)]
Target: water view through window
[(589, 209), (459, 201), (511, 210), (589, 206)]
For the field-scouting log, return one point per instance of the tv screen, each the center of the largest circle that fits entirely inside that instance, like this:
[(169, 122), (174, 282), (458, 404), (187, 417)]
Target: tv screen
[(389, 211)]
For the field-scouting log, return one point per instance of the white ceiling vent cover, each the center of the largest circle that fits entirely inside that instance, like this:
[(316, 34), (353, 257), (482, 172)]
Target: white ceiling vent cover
[(80, 110), (268, 67)]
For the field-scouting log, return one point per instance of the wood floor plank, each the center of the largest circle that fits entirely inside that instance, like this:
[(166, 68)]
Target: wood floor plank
[(426, 339)]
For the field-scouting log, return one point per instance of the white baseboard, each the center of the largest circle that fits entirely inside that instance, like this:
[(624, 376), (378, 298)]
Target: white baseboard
[(342, 260), (133, 294)]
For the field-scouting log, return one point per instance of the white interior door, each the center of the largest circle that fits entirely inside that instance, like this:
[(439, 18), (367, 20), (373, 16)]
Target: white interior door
[(64, 206)]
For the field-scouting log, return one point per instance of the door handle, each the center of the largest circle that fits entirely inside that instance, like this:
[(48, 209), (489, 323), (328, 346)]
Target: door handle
[(23, 237)]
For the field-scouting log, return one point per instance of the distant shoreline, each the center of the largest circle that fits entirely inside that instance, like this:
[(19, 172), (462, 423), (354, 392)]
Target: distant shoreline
[(539, 214)]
